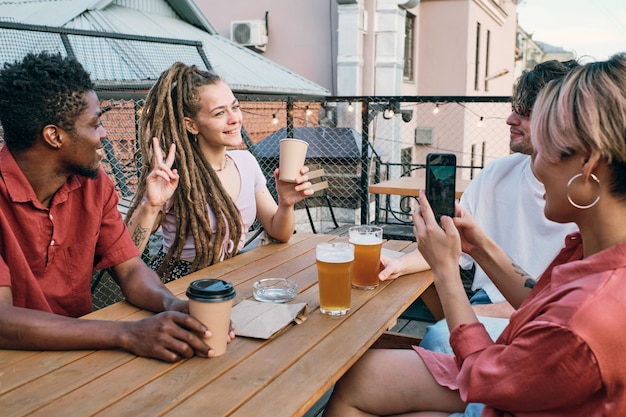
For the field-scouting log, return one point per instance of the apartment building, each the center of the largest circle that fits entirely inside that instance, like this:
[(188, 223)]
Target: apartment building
[(433, 48)]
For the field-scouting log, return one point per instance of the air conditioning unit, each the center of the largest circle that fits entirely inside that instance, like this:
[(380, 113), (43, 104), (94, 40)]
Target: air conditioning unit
[(249, 33), (424, 135)]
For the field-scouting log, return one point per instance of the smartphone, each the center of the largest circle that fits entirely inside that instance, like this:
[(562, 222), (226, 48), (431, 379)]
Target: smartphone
[(441, 183)]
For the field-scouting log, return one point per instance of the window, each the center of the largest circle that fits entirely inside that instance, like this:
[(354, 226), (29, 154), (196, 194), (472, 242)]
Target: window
[(482, 155), (477, 57), (472, 160), (409, 41), (488, 41)]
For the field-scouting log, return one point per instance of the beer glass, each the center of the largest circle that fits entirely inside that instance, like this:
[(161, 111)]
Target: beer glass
[(334, 269), (367, 241)]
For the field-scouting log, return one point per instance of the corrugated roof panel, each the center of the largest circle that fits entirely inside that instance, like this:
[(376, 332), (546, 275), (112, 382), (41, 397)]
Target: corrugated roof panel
[(149, 6), (243, 69), (15, 46), (45, 13), (128, 60), (133, 61)]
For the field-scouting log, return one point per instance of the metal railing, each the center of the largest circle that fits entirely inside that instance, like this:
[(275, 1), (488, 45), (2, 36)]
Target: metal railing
[(357, 140)]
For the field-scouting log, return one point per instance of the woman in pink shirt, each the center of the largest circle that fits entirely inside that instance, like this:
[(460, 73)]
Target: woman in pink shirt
[(204, 194), (563, 352)]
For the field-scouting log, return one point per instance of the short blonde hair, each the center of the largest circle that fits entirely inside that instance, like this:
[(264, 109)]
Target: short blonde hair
[(584, 112)]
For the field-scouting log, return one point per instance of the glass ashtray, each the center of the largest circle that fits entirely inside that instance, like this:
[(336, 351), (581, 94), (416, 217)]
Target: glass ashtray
[(275, 290)]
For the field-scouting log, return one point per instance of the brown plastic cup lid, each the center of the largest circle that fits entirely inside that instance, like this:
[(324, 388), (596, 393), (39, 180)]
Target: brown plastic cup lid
[(210, 290)]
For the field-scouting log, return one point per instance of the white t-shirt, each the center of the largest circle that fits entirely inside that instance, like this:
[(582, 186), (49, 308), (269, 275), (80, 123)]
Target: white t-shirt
[(252, 182), (506, 200)]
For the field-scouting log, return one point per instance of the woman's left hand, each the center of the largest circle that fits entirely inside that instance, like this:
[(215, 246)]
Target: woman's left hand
[(162, 181), (290, 193)]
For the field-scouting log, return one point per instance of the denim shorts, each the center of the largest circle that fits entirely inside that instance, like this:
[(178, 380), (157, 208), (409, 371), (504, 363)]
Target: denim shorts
[(480, 297)]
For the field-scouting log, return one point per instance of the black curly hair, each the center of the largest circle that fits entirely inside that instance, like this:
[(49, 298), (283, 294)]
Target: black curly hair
[(41, 89)]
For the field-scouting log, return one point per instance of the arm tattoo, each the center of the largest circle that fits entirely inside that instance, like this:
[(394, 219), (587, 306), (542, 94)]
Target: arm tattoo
[(139, 235), (530, 281)]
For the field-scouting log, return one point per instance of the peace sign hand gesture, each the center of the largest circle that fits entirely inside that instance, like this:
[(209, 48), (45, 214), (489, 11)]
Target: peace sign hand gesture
[(163, 180)]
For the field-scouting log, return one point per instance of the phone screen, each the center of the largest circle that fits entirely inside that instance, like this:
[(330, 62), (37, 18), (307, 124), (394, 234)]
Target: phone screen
[(440, 183)]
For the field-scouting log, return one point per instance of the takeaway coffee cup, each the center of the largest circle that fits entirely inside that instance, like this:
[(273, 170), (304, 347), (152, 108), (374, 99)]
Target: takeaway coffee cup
[(210, 301), (291, 161)]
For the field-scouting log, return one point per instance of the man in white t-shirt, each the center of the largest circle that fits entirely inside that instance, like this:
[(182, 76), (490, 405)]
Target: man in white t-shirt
[(506, 200)]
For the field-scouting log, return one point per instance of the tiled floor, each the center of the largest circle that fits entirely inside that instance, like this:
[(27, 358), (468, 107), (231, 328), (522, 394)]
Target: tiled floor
[(414, 320), (415, 328)]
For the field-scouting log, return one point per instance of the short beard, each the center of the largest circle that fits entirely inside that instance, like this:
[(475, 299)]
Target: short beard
[(85, 172), (525, 149)]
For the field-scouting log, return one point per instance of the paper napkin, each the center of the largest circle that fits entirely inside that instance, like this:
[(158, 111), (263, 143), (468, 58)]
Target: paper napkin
[(264, 320)]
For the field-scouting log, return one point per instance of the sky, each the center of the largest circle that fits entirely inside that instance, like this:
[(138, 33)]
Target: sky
[(592, 28)]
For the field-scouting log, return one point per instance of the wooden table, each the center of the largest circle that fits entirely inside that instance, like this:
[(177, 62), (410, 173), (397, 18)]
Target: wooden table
[(395, 213), (410, 186), (284, 376)]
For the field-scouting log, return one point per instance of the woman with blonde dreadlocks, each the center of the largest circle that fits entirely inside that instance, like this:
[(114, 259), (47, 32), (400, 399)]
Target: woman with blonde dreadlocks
[(207, 202)]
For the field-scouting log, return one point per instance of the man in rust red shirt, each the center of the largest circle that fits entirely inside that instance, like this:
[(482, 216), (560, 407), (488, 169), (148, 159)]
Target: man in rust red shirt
[(59, 221)]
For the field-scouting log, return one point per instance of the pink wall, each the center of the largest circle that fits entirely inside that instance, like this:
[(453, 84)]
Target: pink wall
[(446, 52), (303, 38), (299, 32)]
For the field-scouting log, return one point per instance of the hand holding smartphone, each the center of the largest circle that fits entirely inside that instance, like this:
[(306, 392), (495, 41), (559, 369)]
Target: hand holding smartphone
[(441, 183)]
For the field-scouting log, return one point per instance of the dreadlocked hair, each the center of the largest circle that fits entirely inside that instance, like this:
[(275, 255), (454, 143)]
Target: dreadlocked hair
[(174, 96)]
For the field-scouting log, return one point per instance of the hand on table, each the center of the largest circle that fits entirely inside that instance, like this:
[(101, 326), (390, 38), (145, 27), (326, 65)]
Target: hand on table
[(408, 263), (390, 268), (169, 336)]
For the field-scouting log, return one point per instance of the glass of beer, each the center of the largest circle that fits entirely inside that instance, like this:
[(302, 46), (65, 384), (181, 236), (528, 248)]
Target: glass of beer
[(334, 269), (367, 241)]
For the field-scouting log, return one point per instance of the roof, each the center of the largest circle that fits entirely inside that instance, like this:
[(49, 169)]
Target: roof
[(324, 142), (156, 34)]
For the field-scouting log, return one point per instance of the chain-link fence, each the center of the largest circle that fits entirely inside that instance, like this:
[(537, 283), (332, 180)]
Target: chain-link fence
[(397, 133), (356, 140), (362, 140), (396, 142)]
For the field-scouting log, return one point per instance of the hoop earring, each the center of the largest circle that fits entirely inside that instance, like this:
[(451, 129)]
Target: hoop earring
[(579, 206)]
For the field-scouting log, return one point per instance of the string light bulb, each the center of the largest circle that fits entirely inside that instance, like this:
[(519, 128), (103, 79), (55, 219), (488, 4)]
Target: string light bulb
[(480, 122), (274, 119), (350, 107), (389, 113), (308, 111), (436, 109)]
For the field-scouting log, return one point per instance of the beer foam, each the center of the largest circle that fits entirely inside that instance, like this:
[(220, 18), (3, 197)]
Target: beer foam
[(334, 257), (365, 239)]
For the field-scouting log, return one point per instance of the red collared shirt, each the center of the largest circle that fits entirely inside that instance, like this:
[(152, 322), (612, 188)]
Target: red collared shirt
[(562, 353), (47, 255)]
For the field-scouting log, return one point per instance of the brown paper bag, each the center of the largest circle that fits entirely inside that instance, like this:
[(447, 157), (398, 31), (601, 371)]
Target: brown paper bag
[(264, 320)]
